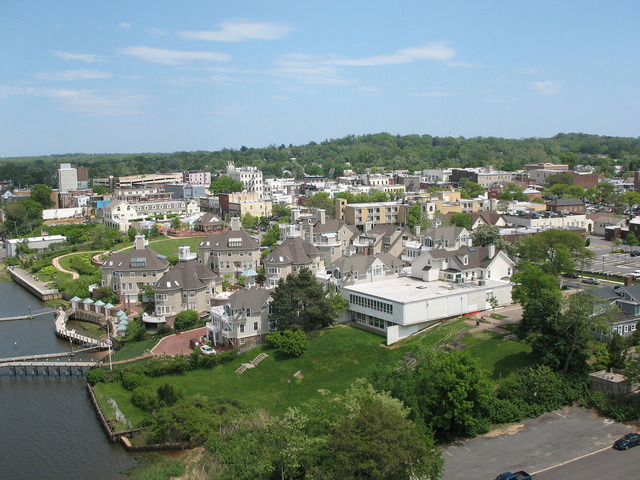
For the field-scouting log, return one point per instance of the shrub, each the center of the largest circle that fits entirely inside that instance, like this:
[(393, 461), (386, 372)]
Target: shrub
[(132, 379), (168, 395), (145, 398), (186, 320), (291, 342), (101, 375), (621, 409)]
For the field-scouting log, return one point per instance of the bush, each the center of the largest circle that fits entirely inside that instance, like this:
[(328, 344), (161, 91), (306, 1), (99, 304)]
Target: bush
[(101, 375), (145, 398), (132, 379), (291, 342), (186, 320), (167, 395), (621, 409)]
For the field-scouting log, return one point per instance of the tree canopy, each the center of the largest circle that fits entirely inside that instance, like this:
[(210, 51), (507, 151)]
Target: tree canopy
[(224, 184)]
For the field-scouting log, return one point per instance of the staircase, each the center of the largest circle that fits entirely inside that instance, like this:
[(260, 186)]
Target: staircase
[(246, 366)]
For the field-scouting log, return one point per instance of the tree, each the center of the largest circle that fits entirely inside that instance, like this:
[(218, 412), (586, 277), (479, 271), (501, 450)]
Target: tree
[(291, 342), (131, 233), (176, 223), (632, 240), (300, 302), (461, 220), (560, 178), (376, 440), (249, 221), (513, 191), (282, 211), (447, 392), (168, 395), (186, 319), (470, 189), (416, 218), (485, 235), (315, 170), (224, 184), (554, 249), (271, 236), (42, 194), (322, 200)]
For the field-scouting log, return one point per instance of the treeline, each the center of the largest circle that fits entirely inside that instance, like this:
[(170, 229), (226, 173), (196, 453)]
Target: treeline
[(412, 152)]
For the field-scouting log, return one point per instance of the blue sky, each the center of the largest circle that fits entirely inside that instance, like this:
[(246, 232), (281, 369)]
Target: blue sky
[(162, 76)]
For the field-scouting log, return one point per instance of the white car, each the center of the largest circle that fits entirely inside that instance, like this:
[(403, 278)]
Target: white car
[(636, 274), (207, 350)]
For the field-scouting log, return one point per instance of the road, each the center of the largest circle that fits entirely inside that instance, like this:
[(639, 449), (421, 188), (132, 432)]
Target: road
[(535, 446), (607, 464)]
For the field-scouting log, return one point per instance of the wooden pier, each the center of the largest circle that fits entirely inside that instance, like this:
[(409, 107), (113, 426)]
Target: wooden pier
[(48, 369), (31, 315), (35, 286)]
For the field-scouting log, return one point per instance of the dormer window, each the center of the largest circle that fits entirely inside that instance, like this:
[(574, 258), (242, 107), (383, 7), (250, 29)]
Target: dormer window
[(465, 260)]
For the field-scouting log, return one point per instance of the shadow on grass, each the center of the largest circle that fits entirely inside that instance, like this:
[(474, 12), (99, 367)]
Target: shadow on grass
[(511, 363)]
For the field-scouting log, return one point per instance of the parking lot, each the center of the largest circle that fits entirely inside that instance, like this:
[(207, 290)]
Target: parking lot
[(535, 445), (615, 263)]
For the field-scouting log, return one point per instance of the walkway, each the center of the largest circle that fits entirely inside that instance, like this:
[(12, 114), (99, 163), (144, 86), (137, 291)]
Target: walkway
[(178, 343)]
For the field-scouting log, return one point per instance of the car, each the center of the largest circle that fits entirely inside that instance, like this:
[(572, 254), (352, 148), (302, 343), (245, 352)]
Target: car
[(195, 343), (628, 441), (635, 274), (635, 253), (207, 350), (591, 281), (570, 275)]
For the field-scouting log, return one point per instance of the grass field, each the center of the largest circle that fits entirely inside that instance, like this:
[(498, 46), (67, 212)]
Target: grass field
[(332, 362)]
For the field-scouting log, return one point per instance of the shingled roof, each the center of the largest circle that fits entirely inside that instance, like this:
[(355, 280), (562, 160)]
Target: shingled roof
[(189, 275), (136, 260), (293, 251)]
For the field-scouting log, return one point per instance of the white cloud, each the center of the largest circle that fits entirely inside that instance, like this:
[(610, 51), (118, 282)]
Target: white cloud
[(83, 57), (431, 51), (528, 71), (240, 30), (158, 32), (124, 25), (548, 87), (87, 101), (67, 75), (310, 70), (172, 57)]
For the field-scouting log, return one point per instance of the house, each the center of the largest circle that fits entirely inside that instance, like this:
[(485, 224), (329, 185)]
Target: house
[(129, 271), (331, 237), (242, 320), (209, 222), (574, 206), (290, 257), (188, 285), (382, 239), (13, 245), (441, 285), (442, 236), (358, 269), (601, 221), (231, 252)]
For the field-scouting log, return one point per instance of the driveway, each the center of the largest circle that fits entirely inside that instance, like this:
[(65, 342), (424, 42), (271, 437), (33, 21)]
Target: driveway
[(533, 446), (178, 343)]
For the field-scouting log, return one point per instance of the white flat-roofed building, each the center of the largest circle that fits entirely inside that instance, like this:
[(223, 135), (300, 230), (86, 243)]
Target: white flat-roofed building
[(403, 306)]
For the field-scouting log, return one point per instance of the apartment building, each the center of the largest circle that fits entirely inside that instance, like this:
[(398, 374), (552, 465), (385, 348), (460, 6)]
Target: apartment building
[(291, 256), (231, 252)]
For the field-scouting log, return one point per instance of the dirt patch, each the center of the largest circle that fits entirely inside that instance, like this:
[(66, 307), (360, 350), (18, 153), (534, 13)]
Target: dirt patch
[(506, 430)]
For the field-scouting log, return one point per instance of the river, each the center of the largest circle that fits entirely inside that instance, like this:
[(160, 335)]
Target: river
[(48, 426)]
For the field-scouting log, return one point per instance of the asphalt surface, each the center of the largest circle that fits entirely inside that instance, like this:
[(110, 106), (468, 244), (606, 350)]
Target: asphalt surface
[(539, 444)]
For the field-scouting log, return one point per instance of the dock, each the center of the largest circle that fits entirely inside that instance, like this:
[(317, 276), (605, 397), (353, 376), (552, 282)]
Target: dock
[(35, 286), (48, 368)]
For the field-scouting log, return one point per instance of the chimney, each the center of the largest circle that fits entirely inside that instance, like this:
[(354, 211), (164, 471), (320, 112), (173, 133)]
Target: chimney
[(322, 216), (235, 224), (417, 230), (492, 251), (295, 215), (140, 242), (367, 226)]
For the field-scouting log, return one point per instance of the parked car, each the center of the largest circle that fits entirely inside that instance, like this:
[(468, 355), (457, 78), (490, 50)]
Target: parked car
[(635, 253), (628, 441), (195, 343), (591, 281), (521, 475), (635, 274), (207, 350), (570, 275)]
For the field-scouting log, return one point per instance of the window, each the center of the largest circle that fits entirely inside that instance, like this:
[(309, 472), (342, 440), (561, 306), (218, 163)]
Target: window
[(132, 274), (255, 326), (241, 328)]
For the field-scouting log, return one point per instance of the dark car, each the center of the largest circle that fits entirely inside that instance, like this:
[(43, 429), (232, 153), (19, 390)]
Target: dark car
[(628, 441), (635, 253), (194, 343), (591, 280), (570, 275)]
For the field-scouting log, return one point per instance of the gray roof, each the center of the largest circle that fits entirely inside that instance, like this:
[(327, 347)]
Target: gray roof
[(220, 241), (208, 219), (362, 263), (189, 275), (136, 260), (443, 232), (560, 202), (478, 257), (293, 251), (333, 226), (253, 298)]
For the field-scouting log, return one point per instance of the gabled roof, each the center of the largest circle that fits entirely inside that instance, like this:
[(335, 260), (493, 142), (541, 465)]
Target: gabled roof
[(253, 298), (189, 275), (293, 251), (333, 226), (230, 240), (477, 257), (143, 259), (362, 263), (443, 232), (208, 219)]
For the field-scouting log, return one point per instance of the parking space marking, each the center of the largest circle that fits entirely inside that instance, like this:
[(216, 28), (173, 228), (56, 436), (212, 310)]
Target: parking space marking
[(560, 415)]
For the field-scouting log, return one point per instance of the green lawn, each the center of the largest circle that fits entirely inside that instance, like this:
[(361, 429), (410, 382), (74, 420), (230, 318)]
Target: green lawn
[(496, 355), (332, 362), (133, 350), (169, 246)]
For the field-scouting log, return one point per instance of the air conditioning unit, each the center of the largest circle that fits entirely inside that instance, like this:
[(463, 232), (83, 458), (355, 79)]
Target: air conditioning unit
[(482, 283)]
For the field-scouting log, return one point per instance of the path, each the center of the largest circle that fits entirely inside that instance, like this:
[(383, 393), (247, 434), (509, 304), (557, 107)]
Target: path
[(74, 275)]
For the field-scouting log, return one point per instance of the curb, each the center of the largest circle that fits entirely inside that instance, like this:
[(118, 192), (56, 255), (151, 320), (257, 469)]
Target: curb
[(572, 460)]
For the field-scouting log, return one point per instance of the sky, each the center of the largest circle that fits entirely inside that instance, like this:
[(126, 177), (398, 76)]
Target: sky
[(134, 76)]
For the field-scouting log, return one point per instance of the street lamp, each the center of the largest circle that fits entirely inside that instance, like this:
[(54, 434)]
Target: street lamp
[(15, 344)]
